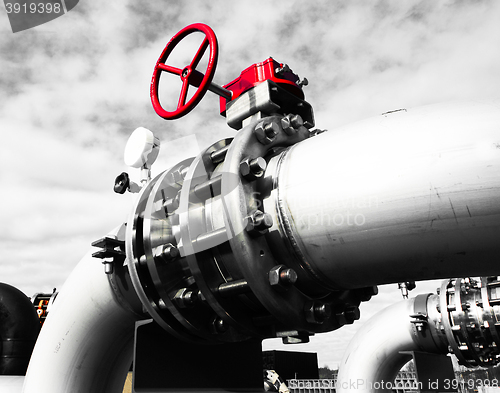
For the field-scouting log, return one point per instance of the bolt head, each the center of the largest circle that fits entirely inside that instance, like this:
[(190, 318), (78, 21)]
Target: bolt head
[(287, 126), (296, 121), (351, 314), (365, 294)]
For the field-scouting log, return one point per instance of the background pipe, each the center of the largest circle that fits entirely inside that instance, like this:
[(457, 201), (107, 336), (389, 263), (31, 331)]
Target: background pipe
[(373, 356), (461, 319), (86, 344), (19, 328), (408, 195)]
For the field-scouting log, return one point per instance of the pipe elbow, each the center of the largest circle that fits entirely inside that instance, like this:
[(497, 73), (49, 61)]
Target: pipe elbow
[(385, 338)]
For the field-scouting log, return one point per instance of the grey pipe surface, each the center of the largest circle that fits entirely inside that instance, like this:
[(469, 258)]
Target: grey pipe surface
[(408, 195), (372, 358), (86, 344)]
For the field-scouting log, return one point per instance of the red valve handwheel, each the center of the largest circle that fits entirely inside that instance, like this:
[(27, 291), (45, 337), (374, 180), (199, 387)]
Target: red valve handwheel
[(188, 74)]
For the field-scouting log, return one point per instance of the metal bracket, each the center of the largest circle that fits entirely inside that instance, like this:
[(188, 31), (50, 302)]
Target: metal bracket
[(269, 98)]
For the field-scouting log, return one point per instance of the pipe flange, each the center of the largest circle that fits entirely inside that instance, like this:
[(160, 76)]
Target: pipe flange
[(141, 254), (469, 320), (205, 248), (253, 253)]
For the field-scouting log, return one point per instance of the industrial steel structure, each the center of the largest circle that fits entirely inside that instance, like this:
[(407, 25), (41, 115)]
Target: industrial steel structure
[(282, 231)]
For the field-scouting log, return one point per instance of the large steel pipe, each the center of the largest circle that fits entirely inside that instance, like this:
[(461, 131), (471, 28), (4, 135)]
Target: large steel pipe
[(408, 195), (86, 344)]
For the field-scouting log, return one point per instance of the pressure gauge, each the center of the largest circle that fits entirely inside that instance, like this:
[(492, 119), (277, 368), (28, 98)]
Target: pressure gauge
[(142, 148)]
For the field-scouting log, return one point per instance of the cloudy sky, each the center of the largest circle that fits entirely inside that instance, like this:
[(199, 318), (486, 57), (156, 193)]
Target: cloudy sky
[(73, 90)]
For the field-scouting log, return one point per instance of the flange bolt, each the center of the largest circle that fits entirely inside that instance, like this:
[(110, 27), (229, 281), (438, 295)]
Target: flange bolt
[(168, 252), (317, 312), (258, 222), (288, 276), (266, 132), (282, 277), (251, 169), (218, 325), (351, 314), (185, 298), (291, 123)]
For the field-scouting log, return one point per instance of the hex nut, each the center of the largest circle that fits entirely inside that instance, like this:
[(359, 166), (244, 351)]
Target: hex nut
[(185, 298), (351, 314), (365, 294), (292, 123), (287, 126), (252, 169), (281, 277), (177, 175), (218, 325), (317, 312), (266, 132), (257, 223), (167, 252)]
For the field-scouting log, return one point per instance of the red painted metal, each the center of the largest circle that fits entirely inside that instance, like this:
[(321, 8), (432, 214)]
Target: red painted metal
[(189, 75), (258, 73)]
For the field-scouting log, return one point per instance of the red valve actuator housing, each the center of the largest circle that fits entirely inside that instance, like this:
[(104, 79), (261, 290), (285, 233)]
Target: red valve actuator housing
[(257, 73)]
